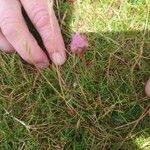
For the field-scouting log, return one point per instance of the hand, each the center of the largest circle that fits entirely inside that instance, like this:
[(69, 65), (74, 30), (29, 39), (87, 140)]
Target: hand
[(15, 35)]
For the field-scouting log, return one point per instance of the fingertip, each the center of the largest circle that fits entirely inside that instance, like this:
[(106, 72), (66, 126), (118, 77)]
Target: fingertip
[(42, 65), (7, 50), (58, 58), (5, 46), (147, 88)]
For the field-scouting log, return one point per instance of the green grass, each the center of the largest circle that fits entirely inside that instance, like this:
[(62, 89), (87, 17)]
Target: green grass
[(97, 103)]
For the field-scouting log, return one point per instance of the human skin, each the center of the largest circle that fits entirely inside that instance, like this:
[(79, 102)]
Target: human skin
[(147, 88), (15, 35)]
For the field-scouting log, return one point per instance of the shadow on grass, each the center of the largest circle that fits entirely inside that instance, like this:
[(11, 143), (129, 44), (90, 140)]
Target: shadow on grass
[(116, 68), (112, 74)]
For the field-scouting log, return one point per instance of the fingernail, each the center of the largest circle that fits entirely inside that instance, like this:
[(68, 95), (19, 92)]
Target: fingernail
[(58, 59), (42, 65)]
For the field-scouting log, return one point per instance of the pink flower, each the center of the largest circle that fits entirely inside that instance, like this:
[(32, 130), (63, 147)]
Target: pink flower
[(78, 43)]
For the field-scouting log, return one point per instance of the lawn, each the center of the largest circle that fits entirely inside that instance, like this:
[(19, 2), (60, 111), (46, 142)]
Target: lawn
[(94, 102)]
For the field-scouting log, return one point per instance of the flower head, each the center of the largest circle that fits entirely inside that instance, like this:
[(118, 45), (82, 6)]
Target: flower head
[(78, 43)]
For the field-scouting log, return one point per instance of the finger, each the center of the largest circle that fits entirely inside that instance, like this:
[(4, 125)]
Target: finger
[(45, 21), (147, 88), (16, 32), (5, 46)]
